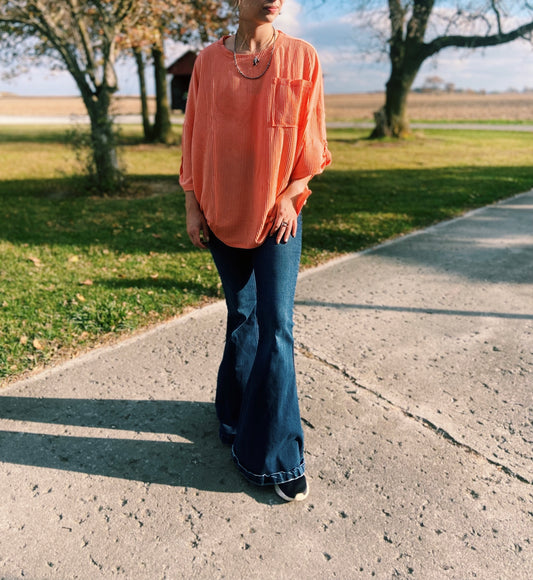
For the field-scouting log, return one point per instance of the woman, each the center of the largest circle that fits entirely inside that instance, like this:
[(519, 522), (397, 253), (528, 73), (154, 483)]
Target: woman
[(254, 136)]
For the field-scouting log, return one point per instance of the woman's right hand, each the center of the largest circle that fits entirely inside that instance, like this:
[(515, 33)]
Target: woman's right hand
[(197, 228)]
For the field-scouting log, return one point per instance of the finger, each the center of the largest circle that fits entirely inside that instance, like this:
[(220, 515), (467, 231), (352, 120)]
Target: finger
[(200, 240), (205, 230), (275, 226), (294, 228), (283, 233), (280, 232), (279, 222), (287, 234), (194, 235)]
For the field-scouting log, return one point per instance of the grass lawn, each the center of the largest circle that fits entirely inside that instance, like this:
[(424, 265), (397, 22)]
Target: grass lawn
[(77, 270)]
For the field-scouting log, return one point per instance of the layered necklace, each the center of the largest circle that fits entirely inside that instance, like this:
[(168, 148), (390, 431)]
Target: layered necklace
[(254, 61)]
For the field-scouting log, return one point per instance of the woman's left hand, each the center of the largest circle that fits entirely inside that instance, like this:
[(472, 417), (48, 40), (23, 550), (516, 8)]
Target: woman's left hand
[(285, 223)]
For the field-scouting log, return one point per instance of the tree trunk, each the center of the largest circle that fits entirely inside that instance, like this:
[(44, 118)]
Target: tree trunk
[(147, 127), (162, 130), (105, 166), (391, 119), (406, 57)]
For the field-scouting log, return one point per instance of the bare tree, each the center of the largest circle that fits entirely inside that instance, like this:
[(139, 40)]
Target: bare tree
[(419, 29), (79, 36)]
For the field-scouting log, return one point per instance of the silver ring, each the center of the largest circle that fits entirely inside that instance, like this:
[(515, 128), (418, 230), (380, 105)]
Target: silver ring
[(284, 224)]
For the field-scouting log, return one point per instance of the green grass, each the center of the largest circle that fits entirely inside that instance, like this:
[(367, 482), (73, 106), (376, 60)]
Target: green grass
[(509, 122), (78, 269)]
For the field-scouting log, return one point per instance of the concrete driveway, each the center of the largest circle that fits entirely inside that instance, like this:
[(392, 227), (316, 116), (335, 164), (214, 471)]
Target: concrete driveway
[(415, 369)]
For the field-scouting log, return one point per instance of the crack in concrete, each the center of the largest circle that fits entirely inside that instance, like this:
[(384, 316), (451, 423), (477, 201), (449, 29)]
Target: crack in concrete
[(419, 419)]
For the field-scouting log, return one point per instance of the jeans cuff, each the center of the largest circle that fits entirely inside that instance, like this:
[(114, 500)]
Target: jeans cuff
[(270, 478)]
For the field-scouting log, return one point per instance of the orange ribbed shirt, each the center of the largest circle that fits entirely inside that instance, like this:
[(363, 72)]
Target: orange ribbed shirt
[(245, 140)]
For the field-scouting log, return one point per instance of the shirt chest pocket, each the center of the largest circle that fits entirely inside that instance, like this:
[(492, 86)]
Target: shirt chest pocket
[(289, 100)]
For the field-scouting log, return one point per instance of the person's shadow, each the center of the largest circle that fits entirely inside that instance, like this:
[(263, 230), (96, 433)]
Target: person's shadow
[(164, 442)]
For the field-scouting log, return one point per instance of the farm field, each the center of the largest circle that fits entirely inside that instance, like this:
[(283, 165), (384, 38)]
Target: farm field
[(509, 107), (57, 106)]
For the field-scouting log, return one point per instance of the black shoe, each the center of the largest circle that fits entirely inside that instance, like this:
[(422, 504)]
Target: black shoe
[(295, 490)]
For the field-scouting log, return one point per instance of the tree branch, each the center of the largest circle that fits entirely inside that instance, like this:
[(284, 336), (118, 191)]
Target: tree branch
[(396, 42), (79, 23), (494, 7), (476, 41), (416, 28)]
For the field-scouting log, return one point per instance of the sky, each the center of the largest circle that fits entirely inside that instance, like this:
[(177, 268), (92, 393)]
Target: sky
[(334, 33)]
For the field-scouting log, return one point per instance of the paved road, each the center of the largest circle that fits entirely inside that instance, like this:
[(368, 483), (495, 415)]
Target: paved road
[(415, 367), (178, 120)]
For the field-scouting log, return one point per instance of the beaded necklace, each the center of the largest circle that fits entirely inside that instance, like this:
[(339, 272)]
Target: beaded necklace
[(256, 58)]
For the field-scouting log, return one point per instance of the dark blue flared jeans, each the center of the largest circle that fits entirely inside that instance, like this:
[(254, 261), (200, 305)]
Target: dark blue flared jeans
[(256, 397)]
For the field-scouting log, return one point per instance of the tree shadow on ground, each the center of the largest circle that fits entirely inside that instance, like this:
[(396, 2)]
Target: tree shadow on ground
[(415, 310), (348, 211), (169, 442), (54, 212)]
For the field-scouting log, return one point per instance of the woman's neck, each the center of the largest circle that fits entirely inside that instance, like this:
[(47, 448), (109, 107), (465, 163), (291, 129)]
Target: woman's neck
[(253, 37)]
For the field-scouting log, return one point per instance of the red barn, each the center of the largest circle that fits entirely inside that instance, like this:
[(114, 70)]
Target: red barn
[(181, 71)]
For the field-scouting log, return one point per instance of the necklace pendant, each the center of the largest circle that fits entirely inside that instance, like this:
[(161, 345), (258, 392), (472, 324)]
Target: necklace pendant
[(256, 60)]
